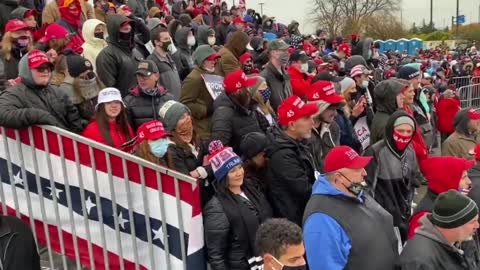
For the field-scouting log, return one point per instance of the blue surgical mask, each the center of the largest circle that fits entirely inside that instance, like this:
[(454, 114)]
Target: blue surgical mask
[(266, 94), (159, 147), (365, 84)]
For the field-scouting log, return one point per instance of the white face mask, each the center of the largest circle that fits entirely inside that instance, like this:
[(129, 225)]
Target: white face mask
[(211, 41), (191, 41), (211, 70), (304, 68), (171, 48)]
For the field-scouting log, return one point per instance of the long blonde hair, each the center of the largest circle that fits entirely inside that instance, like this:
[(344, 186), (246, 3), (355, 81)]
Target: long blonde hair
[(257, 97), (7, 45)]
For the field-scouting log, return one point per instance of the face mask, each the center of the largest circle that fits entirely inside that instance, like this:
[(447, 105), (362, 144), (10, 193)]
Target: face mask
[(191, 41), (365, 84), (98, 35), (126, 39), (304, 68), (269, 23), (356, 189), (401, 141), (171, 48), (166, 45), (211, 41), (211, 70), (22, 42), (105, 7), (159, 147), (284, 267), (283, 58), (369, 54), (266, 94)]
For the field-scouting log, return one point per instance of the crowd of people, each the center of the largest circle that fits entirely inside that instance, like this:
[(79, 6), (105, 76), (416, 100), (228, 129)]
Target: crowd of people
[(311, 153)]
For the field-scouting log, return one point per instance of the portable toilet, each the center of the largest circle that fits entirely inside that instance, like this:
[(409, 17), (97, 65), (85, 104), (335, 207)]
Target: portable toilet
[(402, 45), (390, 45), (413, 45), (382, 45)]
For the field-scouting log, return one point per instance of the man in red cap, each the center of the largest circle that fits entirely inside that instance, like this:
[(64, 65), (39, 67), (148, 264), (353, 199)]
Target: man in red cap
[(298, 70), (462, 142), (325, 131), (344, 228), (34, 101), (292, 167)]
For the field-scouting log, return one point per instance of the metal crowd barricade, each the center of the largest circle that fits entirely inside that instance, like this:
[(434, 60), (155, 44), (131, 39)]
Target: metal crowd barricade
[(96, 206), (463, 81), (469, 96)]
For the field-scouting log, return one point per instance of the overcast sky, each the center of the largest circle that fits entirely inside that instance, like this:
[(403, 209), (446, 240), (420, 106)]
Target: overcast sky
[(412, 11)]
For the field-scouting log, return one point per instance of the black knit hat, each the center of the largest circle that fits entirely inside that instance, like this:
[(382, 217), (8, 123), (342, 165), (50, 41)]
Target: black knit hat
[(252, 144), (408, 73), (452, 210), (77, 64)]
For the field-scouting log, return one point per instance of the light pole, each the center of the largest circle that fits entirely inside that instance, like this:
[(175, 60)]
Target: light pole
[(261, 7), (431, 13), (456, 22)]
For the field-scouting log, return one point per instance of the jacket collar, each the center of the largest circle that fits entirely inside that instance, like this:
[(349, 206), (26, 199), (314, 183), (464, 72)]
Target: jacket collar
[(136, 91)]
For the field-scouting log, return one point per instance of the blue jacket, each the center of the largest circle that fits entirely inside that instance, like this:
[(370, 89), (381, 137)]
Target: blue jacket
[(347, 133), (326, 242)]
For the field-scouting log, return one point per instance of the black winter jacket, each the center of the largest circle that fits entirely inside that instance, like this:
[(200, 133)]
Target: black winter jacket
[(142, 108), (320, 145), (115, 64), (6, 7), (292, 174), (17, 246), (278, 83), (230, 122), (22, 106), (230, 227), (183, 57)]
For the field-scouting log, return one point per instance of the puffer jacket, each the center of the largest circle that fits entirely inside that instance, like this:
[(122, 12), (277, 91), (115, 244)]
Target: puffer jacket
[(183, 57), (142, 108), (27, 104), (169, 77), (278, 83), (92, 45), (231, 121), (290, 189), (461, 143), (195, 96), (116, 66), (385, 96), (392, 176), (230, 223), (230, 54)]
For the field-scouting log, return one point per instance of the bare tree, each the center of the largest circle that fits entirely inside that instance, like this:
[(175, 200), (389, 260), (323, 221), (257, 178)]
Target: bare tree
[(390, 27), (326, 14)]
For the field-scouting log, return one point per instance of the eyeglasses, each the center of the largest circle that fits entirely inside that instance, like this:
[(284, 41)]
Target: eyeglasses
[(44, 68)]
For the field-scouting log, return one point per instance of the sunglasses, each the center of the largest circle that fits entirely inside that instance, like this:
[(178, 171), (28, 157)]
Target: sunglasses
[(44, 68)]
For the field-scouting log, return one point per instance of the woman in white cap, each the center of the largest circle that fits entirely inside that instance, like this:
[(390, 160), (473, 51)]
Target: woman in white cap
[(110, 125)]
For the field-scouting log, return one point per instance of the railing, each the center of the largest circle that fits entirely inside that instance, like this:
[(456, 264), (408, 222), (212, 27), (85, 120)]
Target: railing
[(97, 206), (469, 96), (463, 81)]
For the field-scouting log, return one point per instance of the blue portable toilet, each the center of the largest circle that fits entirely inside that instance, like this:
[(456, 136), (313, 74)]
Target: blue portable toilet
[(390, 44), (382, 45), (402, 45), (413, 44)]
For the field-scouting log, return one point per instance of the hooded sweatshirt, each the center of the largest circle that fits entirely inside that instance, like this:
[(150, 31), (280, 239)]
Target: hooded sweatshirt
[(183, 57), (392, 175), (202, 34), (92, 45), (461, 143), (230, 54), (446, 110), (116, 66), (385, 96), (442, 174)]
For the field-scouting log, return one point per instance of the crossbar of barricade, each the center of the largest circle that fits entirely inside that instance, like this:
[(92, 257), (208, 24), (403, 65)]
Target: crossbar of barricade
[(95, 207), (469, 96), (463, 81)]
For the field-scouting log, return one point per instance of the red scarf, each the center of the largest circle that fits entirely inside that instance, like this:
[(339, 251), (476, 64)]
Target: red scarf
[(72, 18)]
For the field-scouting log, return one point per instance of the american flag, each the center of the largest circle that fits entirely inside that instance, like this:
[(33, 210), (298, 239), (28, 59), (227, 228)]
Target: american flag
[(104, 197)]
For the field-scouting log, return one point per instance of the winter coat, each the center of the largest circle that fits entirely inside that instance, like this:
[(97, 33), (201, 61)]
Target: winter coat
[(392, 176), (6, 7), (221, 32), (24, 105), (230, 54), (231, 121), (17, 245), (11, 65), (169, 77), (116, 66), (321, 144), (183, 57), (428, 250), (293, 28), (196, 97), (446, 109), (461, 143), (424, 124), (202, 35), (3, 81), (290, 189), (92, 45), (230, 224), (474, 174), (142, 107), (385, 96), (347, 133), (278, 83), (51, 12), (85, 98), (138, 7), (301, 83), (92, 131)]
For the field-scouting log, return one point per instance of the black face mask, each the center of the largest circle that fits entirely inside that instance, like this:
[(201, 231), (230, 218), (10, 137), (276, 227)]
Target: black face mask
[(126, 39), (99, 35)]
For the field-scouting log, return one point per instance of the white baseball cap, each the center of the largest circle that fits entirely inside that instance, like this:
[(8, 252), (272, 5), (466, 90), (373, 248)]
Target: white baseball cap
[(109, 94)]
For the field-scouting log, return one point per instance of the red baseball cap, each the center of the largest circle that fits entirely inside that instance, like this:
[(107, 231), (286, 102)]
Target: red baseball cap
[(324, 90), (213, 57), (30, 12), (239, 20), (473, 114), (344, 157), (54, 31), (16, 25), (37, 58), (293, 108), (244, 57), (152, 130), (237, 80)]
